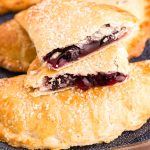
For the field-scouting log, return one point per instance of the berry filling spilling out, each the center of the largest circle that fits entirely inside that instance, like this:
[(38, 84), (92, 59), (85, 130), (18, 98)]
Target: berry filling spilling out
[(105, 35), (83, 82)]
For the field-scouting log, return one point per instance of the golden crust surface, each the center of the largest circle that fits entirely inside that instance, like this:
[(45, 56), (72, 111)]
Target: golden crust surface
[(16, 48), (49, 28), (73, 117), (135, 48), (140, 8)]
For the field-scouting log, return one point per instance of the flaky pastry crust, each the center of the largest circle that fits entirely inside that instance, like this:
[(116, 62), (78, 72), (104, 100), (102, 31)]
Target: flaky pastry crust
[(136, 46), (73, 117), (16, 49)]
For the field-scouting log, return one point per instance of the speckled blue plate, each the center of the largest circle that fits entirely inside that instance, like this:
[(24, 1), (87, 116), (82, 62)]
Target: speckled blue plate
[(126, 139)]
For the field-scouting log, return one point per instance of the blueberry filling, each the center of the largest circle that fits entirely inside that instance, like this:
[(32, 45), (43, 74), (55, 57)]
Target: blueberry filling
[(83, 82), (106, 35)]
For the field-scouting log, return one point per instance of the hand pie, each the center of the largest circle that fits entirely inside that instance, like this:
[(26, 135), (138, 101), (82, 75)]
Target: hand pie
[(19, 42), (61, 41), (73, 117), (108, 67), (15, 5), (139, 8), (82, 53), (16, 49)]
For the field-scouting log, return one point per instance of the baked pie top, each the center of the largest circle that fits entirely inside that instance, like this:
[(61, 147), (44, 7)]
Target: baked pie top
[(56, 25), (15, 5)]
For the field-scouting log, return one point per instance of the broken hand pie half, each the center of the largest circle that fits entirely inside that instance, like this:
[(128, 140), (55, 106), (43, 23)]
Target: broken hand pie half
[(73, 117), (65, 32)]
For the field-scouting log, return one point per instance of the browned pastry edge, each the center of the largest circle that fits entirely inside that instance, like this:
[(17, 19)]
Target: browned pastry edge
[(13, 65), (16, 48), (137, 45), (15, 5), (73, 117), (2, 9)]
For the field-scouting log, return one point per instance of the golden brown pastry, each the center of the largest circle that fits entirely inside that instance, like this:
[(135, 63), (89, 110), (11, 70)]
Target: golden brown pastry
[(141, 9), (73, 117), (86, 29), (107, 67), (16, 49), (15, 5), (132, 52)]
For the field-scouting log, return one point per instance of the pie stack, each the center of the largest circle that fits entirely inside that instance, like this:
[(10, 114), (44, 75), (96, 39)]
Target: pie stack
[(80, 89)]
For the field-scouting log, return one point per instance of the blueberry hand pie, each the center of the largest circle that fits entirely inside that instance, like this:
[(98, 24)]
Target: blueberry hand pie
[(73, 117), (108, 67), (80, 89), (69, 31), (85, 50)]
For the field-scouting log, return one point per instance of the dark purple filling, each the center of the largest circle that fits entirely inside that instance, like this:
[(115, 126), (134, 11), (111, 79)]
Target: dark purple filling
[(83, 82), (61, 56)]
